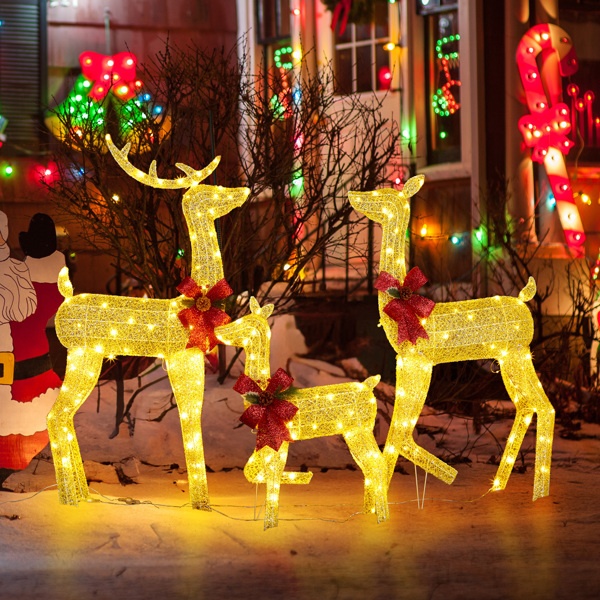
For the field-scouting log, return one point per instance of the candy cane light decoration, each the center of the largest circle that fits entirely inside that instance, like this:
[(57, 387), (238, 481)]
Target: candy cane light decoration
[(545, 129)]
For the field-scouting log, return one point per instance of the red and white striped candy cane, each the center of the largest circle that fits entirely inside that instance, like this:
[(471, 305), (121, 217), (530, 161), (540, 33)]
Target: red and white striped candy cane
[(545, 129)]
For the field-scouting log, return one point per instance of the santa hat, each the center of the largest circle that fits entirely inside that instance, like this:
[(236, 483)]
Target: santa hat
[(40, 239)]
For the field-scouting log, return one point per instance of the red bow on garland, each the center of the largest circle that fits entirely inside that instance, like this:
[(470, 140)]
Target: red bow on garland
[(406, 308), (341, 8), (202, 318), (268, 413), (115, 72)]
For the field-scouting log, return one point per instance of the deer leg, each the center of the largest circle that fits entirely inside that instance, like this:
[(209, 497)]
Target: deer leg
[(413, 376), (255, 473), (274, 463), (526, 392), (515, 439), (83, 370), (186, 373), (365, 451), (543, 451)]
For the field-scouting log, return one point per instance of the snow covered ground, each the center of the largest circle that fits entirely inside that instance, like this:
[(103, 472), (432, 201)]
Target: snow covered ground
[(142, 541)]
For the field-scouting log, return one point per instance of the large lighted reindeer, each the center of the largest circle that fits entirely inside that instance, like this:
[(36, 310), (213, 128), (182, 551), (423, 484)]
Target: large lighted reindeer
[(348, 409), (94, 327), (499, 328)]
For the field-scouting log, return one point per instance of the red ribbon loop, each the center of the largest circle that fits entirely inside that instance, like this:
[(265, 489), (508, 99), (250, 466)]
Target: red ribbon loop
[(342, 8), (406, 307), (268, 413), (202, 323)]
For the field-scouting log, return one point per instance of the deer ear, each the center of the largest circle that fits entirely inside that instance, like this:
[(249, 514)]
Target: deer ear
[(413, 185), (267, 310), (254, 306)]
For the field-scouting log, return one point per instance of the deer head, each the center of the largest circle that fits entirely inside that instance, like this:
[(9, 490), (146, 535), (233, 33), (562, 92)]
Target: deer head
[(386, 204)]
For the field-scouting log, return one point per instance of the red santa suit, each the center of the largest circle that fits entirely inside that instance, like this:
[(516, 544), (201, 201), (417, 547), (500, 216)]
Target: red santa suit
[(29, 386)]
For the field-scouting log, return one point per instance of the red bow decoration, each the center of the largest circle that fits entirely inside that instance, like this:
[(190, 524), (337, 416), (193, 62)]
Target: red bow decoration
[(406, 308), (341, 8), (115, 72), (202, 318), (268, 413)]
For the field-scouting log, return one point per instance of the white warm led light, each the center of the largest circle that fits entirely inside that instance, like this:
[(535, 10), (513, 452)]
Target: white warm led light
[(94, 327), (499, 328), (348, 409)]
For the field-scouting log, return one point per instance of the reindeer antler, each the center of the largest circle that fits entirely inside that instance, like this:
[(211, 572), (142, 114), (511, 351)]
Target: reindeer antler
[(193, 177)]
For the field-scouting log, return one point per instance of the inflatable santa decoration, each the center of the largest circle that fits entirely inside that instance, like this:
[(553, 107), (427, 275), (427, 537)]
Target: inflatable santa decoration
[(30, 386)]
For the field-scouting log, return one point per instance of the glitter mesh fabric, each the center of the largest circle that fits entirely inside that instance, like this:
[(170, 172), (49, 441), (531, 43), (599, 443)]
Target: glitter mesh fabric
[(347, 409), (95, 326), (499, 328)]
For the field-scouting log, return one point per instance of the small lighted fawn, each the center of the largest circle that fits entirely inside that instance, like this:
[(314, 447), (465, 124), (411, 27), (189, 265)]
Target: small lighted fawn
[(94, 326), (348, 409), (499, 328)]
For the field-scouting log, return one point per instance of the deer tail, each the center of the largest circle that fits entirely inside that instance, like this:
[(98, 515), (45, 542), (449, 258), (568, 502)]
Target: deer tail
[(528, 292), (65, 287), (371, 382)]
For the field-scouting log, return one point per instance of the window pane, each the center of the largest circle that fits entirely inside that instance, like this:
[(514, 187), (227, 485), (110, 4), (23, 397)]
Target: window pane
[(364, 65), (266, 17), (381, 20), (345, 37), (284, 18), (363, 32), (443, 87), (343, 71), (382, 68), (273, 18)]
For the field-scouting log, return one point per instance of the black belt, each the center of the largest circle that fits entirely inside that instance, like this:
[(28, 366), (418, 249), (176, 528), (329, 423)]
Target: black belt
[(30, 367)]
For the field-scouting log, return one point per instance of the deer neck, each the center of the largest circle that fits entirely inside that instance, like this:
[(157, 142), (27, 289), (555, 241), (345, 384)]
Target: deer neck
[(393, 245), (258, 348), (257, 360), (207, 264), (252, 333)]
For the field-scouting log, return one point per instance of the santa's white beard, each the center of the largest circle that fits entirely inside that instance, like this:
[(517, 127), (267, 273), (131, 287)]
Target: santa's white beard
[(24, 418), (17, 294)]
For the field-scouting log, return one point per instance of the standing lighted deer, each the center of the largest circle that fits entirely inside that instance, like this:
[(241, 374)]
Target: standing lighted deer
[(348, 409), (499, 328), (94, 327)]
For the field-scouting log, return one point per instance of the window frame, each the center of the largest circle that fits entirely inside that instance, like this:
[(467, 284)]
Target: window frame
[(471, 103), (372, 42)]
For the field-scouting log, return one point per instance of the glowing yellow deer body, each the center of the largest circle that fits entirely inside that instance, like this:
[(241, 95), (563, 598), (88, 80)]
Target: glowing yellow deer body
[(348, 409), (499, 328), (94, 326)]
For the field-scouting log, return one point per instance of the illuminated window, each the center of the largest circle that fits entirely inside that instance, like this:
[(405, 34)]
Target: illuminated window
[(274, 40), (442, 81), (362, 64)]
